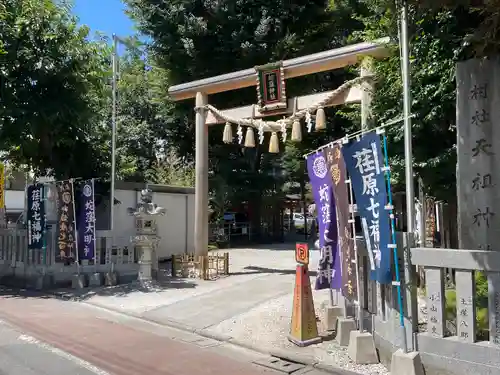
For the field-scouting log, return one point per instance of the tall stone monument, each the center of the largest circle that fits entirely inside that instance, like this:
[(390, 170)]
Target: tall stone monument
[(146, 238), (478, 149)]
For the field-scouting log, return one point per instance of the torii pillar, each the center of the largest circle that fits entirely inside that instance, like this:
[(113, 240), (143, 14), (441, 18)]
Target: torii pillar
[(201, 184)]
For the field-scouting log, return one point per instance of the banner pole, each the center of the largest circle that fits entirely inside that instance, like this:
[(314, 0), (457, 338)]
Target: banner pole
[(358, 267), (339, 252), (394, 247), (44, 246), (355, 134), (3, 214), (77, 255), (331, 293), (94, 220)]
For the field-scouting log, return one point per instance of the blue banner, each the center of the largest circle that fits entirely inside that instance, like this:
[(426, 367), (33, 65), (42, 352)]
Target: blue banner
[(364, 162), (322, 187), (86, 222)]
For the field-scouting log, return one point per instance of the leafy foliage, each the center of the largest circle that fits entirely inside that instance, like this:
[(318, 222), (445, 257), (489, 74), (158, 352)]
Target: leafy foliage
[(172, 170), (437, 43), (484, 39), (140, 120), (51, 85), (55, 107), (202, 38)]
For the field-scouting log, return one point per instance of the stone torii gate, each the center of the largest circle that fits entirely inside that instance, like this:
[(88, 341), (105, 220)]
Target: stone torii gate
[(301, 66)]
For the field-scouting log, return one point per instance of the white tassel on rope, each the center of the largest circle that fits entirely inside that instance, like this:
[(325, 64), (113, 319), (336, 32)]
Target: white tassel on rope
[(250, 138), (309, 122), (296, 131), (274, 144), (261, 132), (283, 132), (227, 136), (239, 133), (320, 119)]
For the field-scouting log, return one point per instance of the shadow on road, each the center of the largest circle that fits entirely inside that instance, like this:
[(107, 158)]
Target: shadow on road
[(121, 290), (257, 270)]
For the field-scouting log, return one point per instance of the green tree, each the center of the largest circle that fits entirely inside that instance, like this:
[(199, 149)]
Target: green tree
[(438, 39), (52, 85), (194, 39), (141, 113), (484, 37), (170, 169)]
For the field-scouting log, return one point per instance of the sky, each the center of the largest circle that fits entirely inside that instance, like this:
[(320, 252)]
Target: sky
[(105, 16)]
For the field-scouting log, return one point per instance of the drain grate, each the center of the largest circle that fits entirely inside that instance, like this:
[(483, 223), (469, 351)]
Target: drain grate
[(279, 364)]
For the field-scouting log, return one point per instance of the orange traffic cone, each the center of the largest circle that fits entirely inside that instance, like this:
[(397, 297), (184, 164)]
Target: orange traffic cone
[(304, 329)]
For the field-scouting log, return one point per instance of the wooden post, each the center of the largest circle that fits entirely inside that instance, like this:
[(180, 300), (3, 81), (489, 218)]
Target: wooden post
[(201, 187), (226, 263), (174, 259), (366, 95)]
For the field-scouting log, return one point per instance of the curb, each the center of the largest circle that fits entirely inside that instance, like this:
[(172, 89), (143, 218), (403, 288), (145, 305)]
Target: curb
[(279, 353)]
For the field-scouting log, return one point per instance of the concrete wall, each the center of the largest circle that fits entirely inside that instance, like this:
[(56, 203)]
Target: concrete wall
[(176, 228)]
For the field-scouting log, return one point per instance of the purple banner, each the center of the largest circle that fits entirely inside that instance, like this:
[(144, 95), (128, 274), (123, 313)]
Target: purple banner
[(337, 169), (86, 222), (322, 187), (66, 222), (36, 216)]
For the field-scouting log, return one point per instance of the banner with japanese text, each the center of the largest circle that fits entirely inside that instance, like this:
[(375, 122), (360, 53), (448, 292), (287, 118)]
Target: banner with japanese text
[(2, 186), (86, 221), (363, 160), (36, 217), (66, 238), (3, 218), (322, 186), (337, 168)]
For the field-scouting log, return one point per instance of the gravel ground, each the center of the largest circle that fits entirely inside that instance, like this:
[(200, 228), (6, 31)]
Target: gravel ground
[(268, 324)]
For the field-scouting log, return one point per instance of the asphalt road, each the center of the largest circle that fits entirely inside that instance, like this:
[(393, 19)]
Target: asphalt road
[(43, 335), (21, 354)]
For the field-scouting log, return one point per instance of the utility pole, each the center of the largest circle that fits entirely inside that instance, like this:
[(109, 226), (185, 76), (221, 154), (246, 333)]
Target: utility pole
[(114, 59), (410, 194), (410, 201)]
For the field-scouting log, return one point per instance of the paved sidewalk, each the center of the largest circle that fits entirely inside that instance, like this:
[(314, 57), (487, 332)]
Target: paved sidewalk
[(119, 348), (252, 307)]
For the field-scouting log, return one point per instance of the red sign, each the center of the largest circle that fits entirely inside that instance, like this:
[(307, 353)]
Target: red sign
[(302, 253)]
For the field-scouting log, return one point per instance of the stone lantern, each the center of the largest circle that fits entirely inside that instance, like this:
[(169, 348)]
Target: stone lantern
[(146, 238)]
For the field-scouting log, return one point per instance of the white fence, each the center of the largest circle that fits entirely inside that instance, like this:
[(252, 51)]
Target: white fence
[(454, 325), (18, 262)]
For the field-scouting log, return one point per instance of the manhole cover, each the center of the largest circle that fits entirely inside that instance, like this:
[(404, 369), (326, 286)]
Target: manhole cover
[(280, 365), (201, 342)]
